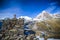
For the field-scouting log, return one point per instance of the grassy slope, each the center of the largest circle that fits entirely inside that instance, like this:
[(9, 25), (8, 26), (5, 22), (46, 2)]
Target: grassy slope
[(52, 27)]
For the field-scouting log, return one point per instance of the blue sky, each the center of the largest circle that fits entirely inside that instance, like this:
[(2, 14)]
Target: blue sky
[(29, 8)]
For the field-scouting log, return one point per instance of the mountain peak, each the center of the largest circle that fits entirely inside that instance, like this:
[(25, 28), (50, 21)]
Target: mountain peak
[(44, 12), (43, 16)]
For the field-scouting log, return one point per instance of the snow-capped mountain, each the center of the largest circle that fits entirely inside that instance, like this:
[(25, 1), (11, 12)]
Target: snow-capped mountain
[(26, 18), (56, 15), (43, 16)]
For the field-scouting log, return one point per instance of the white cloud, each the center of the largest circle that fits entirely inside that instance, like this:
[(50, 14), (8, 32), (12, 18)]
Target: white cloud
[(50, 9)]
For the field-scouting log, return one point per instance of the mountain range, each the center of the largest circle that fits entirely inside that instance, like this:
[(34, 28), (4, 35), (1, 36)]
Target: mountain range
[(45, 16), (41, 16)]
